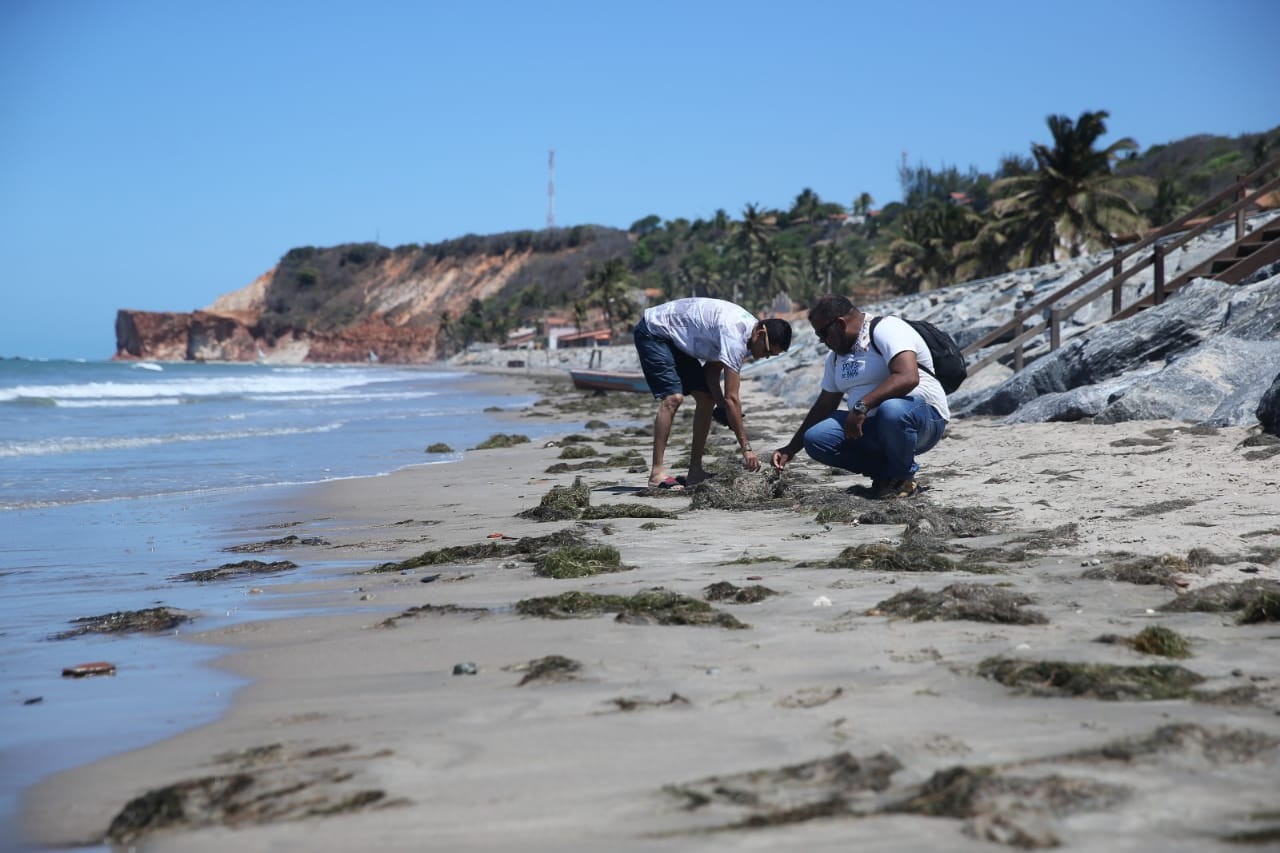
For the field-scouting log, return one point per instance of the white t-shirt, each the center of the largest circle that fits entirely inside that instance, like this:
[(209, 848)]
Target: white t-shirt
[(863, 368), (707, 329)]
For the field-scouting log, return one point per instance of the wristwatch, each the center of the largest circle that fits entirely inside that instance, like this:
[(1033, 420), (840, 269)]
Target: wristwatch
[(859, 407)]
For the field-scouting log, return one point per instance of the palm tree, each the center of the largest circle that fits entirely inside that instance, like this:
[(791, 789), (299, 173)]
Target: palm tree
[(921, 252), (1171, 201), (862, 204), (1073, 200), (606, 283)]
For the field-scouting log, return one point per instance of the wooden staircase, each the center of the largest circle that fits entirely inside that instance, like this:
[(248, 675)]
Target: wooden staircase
[(1249, 252)]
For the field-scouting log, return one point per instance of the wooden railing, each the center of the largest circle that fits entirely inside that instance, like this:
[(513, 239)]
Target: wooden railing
[(1053, 314)]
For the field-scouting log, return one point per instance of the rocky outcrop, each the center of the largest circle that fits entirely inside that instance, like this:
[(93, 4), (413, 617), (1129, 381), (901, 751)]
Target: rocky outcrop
[(1268, 411), (344, 303)]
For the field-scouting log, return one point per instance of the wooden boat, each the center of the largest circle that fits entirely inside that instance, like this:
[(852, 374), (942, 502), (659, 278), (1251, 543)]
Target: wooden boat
[(586, 379)]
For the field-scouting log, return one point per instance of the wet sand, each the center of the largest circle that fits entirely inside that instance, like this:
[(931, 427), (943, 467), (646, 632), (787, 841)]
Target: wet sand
[(825, 724)]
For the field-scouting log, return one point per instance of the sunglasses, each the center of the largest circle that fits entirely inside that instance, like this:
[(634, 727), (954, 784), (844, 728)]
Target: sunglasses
[(822, 333)]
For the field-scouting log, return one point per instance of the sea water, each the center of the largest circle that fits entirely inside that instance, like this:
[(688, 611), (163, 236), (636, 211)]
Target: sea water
[(115, 477)]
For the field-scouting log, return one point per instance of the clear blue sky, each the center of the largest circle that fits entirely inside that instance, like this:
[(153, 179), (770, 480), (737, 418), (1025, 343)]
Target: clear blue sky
[(155, 155)]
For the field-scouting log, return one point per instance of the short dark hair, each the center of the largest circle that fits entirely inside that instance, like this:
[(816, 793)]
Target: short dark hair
[(831, 307), (779, 332)]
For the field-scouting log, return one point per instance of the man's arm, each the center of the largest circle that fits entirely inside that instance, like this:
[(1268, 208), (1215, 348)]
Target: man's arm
[(731, 399), (904, 376), (822, 408)]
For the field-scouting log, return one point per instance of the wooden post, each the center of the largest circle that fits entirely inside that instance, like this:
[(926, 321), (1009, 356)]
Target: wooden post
[(1017, 350), (1055, 328), (1157, 258), (1117, 296), (1240, 194)]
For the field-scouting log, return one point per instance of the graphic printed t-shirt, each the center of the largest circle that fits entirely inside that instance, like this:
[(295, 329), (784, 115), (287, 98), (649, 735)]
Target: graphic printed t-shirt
[(863, 368), (707, 329)]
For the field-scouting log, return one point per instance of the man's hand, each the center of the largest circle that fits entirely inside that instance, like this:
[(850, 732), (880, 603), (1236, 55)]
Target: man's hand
[(853, 425), (750, 461), (782, 456)]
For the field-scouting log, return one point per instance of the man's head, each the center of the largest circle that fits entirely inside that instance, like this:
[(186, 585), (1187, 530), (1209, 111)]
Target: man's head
[(770, 337), (828, 316)]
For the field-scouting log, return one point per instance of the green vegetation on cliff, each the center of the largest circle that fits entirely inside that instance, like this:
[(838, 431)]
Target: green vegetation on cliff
[(1069, 197)]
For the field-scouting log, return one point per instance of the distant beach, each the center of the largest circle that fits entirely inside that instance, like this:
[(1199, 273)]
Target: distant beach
[(962, 668)]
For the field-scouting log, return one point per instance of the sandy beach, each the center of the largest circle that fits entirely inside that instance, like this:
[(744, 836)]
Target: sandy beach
[(822, 716)]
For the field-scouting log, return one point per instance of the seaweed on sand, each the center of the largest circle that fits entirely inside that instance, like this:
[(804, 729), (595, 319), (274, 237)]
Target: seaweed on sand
[(151, 620), (892, 558), (1256, 597), (502, 439), (241, 569), (658, 605), (1092, 680), (725, 591), (526, 546), (1153, 640), (579, 561), (968, 601)]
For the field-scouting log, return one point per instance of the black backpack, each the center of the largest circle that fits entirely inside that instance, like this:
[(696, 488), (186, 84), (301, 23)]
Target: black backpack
[(948, 362)]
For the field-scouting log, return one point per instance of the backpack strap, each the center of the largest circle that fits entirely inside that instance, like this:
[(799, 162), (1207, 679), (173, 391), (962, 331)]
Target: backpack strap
[(871, 334)]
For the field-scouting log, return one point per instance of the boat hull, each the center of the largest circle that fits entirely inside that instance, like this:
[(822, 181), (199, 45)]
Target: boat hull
[(609, 380)]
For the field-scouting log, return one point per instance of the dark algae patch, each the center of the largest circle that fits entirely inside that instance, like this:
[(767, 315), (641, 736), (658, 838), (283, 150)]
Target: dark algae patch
[(1255, 598), (548, 669), (1159, 570), (725, 591), (524, 547), (1092, 680), (244, 568), (654, 606), (501, 439), (579, 561), (439, 447), (1154, 640), (565, 503), (967, 601), (150, 620), (433, 610), (278, 786), (890, 558), (289, 541)]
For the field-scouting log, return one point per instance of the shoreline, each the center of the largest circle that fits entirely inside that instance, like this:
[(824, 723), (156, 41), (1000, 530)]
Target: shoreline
[(346, 707)]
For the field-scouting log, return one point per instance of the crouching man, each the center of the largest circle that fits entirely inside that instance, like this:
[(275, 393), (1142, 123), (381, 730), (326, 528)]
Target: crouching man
[(897, 410)]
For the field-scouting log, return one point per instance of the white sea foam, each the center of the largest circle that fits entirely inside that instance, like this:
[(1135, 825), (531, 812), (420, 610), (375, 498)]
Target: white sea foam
[(85, 444)]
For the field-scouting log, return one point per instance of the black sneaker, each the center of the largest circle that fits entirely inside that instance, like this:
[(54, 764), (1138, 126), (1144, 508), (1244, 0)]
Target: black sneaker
[(886, 489)]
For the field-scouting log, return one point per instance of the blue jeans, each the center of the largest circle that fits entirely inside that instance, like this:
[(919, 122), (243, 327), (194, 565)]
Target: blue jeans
[(891, 438)]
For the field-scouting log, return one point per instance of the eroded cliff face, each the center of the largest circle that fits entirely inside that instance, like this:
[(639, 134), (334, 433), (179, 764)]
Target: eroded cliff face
[(344, 303)]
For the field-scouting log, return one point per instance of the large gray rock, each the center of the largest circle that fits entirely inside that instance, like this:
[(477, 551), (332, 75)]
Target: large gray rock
[(1268, 411)]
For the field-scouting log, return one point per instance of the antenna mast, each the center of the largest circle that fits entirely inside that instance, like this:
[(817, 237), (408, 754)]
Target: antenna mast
[(551, 188)]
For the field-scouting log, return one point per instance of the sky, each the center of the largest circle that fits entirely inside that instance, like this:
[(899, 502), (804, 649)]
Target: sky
[(155, 155)]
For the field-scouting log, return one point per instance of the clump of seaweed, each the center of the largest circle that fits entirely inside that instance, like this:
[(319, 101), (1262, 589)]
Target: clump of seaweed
[(272, 544), (1159, 570), (844, 507), (433, 610), (658, 605), (1162, 507), (725, 591), (578, 451), (624, 510), (502, 439), (439, 447), (551, 668), (1219, 746), (1008, 809), (244, 568), (890, 558), (1154, 640), (525, 546), (1092, 680), (150, 620), (1224, 597), (967, 601), (579, 561), (595, 424), (730, 487), (1262, 607), (561, 503)]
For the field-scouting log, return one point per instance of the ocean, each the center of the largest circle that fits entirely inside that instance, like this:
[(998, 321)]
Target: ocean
[(115, 477)]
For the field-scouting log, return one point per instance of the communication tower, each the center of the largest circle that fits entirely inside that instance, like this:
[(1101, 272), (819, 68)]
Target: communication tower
[(551, 188)]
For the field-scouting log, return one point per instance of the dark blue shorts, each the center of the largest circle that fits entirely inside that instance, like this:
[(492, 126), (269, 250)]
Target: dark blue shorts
[(667, 369)]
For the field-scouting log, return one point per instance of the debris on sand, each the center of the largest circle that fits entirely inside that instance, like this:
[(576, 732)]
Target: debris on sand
[(725, 591), (151, 620), (244, 568), (501, 439), (654, 606), (967, 601), (548, 669), (1256, 597), (579, 561), (1092, 680), (1153, 640)]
